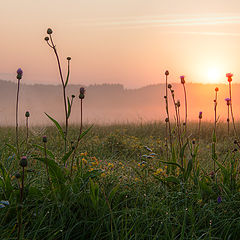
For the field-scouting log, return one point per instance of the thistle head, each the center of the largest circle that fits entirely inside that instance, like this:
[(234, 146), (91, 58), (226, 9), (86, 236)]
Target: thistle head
[(229, 76), (27, 114), (23, 161), (182, 79), (200, 115), (82, 92), (167, 73), (19, 74), (49, 31), (228, 101), (73, 96), (44, 139)]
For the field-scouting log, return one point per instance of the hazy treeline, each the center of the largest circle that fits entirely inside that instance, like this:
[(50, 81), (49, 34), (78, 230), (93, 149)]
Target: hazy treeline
[(109, 103)]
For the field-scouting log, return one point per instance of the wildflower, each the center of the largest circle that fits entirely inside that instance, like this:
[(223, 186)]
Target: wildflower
[(228, 100), (182, 79), (44, 139), (167, 73), (149, 149), (103, 175), (23, 161), (19, 74), (216, 89), (5, 202), (229, 76), (219, 199), (84, 161), (27, 114), (137, 179), (200, 115), (82, 93)]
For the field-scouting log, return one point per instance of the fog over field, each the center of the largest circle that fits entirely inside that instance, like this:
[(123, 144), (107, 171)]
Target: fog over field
[(112, 103)]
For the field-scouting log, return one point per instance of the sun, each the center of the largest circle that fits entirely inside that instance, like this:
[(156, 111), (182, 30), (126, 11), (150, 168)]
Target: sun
[(213, 75)]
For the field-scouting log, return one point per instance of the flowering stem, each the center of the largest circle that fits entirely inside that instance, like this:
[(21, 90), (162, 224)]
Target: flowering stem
[(64, 94), (17, 118), (228, 120), (230, 95), (185, 95), (79, 136), (215, 113), (199, 128), (169, 125)]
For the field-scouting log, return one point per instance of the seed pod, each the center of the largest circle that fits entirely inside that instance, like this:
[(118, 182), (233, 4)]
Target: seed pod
[(27, 114), (49, 31)]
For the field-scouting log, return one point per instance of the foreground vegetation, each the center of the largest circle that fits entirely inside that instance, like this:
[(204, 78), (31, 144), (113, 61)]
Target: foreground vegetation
[(122, 185)]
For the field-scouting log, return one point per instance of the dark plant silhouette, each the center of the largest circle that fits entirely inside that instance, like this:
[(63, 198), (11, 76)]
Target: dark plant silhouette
[(185, 97), (228, 100), (27, 115)]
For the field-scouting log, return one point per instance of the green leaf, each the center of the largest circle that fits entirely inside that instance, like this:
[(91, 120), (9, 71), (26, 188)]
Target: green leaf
[(58, 126), (189, 169), (173, 163), (66, 156), (113, 192), (85, 132), (55, 171), (49, 153), (172, 179), (69, 108)]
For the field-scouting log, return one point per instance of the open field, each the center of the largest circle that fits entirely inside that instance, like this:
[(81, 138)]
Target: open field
[(118, 188)]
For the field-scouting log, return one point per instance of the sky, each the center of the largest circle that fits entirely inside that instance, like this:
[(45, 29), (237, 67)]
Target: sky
[(131, 42)]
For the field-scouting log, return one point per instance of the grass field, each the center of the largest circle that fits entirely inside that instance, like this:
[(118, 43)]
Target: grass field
[(123, 184)]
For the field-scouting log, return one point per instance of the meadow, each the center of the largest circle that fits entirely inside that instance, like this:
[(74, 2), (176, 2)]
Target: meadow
[(161, 180), (118, 190)]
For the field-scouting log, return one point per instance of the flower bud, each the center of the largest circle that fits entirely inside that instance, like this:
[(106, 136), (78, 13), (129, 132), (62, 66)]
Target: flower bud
[(19, 74), (169, 86), (17, 175), (182, 79), (46, 38), (82, 93), (73, 96), (167, 73), (44, 139), (216, 89), (200, 115), (27, 114), (69, 58), (166, 120), (49, 31), (178, 103), (23, 161)]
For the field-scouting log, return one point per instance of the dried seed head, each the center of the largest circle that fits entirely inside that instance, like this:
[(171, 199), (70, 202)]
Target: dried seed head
[(167, 73), (169, 86), (23, 161), (178, 103), (82, 93), (73, 96), (69, 58), (49, 31), (27, 114), (46, 38), (17, 175), (166, 120)]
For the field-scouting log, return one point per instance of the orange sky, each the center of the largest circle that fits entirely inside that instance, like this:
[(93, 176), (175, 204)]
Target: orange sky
[(131, 42)]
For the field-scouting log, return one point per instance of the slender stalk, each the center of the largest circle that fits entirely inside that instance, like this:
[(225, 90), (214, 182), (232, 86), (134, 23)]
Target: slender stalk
[(166, 138), (231, 109), (79, 136), (185, 96), (27, 131), (64, 93), (228, 119), (199, 128), (167, 111), (46, 159), (17, 144)]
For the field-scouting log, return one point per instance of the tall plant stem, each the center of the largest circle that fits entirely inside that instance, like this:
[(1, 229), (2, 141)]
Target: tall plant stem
[(169, 125), (79, 136), (46, 159), (228, 120), (17, 144), (185, 96), (231, 109), (199, 129), (166, 139), (64, 94), (215, 113), (27, 132)]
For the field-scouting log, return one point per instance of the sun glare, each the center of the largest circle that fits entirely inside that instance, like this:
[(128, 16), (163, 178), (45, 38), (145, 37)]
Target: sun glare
[(213, 75)]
